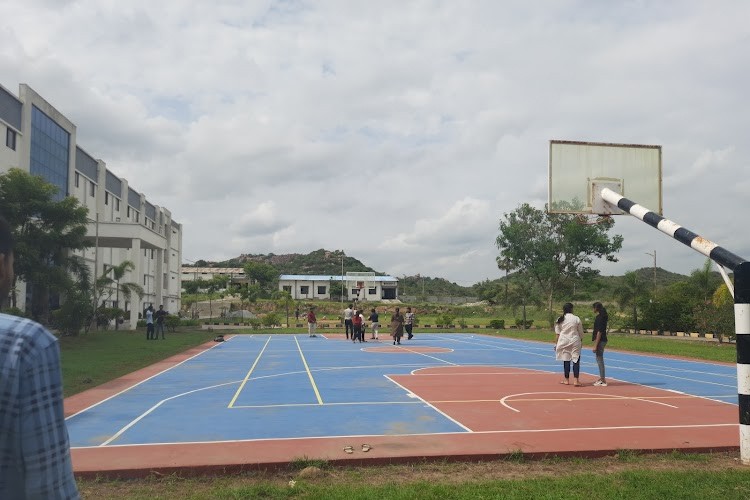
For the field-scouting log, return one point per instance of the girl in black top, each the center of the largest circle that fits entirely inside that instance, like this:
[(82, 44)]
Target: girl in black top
[(599, 337)]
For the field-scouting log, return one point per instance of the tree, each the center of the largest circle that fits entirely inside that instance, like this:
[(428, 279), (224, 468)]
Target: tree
[(628, 293), (47, 232), (553, 248), (110, 282), (284, 301), (521, 294), (265, 275)]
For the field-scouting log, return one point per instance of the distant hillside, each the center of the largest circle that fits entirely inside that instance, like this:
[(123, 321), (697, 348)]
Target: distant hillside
[(317, 262), (329, 262)]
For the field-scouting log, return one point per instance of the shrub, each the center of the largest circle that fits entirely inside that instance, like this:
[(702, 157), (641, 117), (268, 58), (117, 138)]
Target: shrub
[(271, 319), (520, 323), (172, 322), (497, 323), (255, 323), (446, 319)]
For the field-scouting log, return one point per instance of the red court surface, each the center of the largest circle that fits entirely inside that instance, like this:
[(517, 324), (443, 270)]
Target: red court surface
[(504, 410)]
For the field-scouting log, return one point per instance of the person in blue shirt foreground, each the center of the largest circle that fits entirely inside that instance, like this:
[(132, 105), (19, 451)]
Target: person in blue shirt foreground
[(34, 447)]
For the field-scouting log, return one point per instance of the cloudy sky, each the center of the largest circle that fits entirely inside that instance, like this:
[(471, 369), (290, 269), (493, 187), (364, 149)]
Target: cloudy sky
[(397, 131)]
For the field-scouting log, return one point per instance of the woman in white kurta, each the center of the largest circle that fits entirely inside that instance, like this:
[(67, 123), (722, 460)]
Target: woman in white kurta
[(569, 332)]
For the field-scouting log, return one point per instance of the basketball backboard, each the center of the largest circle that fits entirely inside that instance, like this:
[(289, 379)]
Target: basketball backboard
[(579, 170)]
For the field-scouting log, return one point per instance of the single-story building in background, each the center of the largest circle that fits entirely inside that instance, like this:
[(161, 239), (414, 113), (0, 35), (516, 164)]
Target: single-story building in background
[(236, 274), (363, 288)]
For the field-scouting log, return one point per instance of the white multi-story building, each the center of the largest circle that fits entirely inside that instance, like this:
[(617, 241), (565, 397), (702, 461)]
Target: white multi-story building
[(123, 224)]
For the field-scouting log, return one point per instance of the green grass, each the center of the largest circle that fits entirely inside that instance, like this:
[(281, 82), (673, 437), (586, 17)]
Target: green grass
[(97, 357), (565, 479)]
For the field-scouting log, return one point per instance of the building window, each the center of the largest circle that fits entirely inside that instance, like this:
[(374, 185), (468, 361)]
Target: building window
[(92, 189), (117, 204), (287, 288), (372, 291), (321, 290), (10, 138), (128, 211), (106, 197), (304, 289), (78, 179), (50, 148)]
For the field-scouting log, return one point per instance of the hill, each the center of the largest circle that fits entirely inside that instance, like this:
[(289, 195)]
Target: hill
[(330, 262)]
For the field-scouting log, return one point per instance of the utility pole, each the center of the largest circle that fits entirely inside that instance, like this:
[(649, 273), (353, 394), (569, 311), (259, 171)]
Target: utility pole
[(654, 256)]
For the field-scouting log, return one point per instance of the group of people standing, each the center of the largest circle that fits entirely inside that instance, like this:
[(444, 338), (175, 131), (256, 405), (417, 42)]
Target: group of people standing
[(354, 324), (569, 331), (152, 332)]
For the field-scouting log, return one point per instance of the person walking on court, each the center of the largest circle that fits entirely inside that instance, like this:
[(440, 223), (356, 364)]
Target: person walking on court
[(357, 322), (34, 444), (599, 337), (160, 315), (569, 331), (312, 322), (409, 323), (374, 323), (348, 312), (397, 326), (150, 323)]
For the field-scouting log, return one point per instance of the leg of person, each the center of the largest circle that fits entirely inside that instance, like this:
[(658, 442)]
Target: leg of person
[(375, 328), (577, 372), (600, 363), (566, 372), (408, 331)]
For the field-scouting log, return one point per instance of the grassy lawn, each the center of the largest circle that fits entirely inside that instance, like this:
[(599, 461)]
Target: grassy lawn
[(624, 476), (97, 357)]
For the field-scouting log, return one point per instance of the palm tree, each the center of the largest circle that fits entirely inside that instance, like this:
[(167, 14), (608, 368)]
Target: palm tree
[(107, 282)]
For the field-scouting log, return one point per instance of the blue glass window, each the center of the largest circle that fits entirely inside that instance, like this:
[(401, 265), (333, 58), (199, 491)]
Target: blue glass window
[(50, 145)]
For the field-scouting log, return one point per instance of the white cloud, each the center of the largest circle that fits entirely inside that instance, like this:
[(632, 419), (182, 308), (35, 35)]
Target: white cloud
[(398, 132)]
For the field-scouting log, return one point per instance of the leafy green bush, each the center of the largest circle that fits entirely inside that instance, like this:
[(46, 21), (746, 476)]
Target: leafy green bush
[(271, 319), (255, 323), (446, 319), (520, 323), (497, 323)]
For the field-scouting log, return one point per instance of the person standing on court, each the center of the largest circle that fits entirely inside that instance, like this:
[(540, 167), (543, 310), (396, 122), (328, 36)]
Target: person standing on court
[(348, 322), (569, 331), (161, 314), (374, 323), (409, 323), (34, 444), (397, 326), (312, 322), (357, 322), (150, 323), (599, 337)]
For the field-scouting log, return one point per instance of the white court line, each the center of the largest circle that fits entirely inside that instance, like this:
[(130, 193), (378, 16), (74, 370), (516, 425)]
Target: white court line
[(427, 356), (612, 396), (411, 394), (145, 380), (352, 436), (154, 407)]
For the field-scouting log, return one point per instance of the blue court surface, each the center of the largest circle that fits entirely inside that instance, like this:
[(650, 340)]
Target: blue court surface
[(259, 387)]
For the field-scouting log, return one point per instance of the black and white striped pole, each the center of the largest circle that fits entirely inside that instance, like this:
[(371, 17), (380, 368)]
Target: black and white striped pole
[(741, 269)]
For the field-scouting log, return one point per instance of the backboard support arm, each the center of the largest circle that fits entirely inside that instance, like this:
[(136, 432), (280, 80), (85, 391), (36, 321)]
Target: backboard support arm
[(741, 269)]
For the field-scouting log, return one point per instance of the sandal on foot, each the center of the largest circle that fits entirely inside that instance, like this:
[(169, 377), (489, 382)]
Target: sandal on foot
[(366, 448), (564, 382), (349, 449)]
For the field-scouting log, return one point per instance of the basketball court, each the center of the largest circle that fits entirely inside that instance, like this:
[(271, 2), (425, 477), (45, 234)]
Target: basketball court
[(259, 401)]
